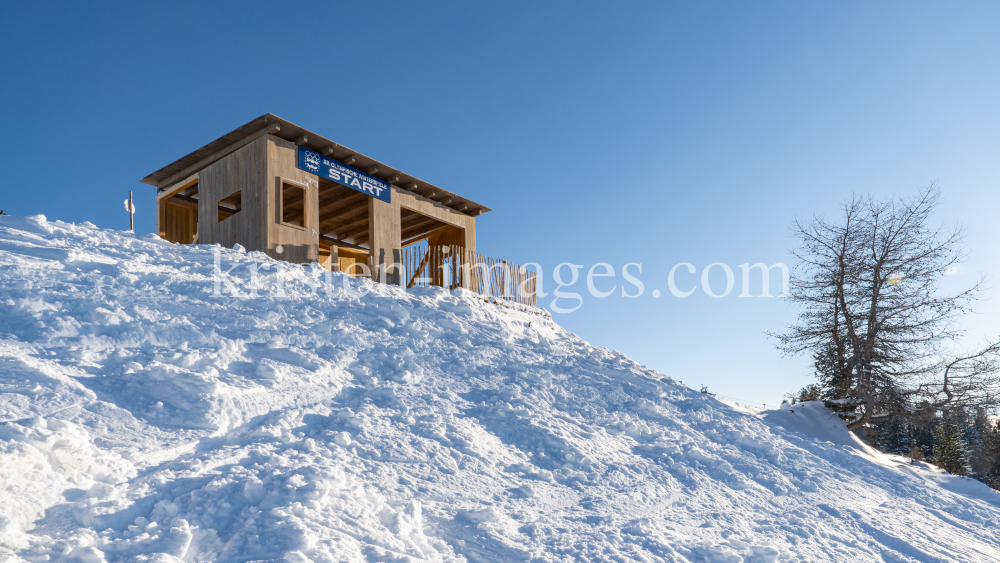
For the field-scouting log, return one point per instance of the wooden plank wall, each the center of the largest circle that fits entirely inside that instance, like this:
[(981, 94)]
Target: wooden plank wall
[(243, 170), (178, 223), (173, 224), (346, 258), (299, 244), (343, 261)]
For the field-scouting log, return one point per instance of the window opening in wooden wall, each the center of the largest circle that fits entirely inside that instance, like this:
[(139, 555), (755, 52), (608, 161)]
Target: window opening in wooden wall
[(230, 205), (293, 199)]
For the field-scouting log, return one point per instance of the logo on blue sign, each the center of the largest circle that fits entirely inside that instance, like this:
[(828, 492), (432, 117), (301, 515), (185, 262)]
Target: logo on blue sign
[(312, 161), (315, 163)]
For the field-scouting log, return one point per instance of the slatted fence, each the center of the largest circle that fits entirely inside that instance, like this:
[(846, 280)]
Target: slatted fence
[(455, 266)]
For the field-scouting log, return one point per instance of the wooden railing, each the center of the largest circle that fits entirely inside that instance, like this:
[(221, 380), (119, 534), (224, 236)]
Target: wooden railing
[(455, 266)]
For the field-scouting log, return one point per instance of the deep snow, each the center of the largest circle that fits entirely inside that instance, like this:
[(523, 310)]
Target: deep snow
[(142, 418)]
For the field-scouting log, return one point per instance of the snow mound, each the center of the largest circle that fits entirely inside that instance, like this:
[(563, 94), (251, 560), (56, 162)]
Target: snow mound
[(312, 417)]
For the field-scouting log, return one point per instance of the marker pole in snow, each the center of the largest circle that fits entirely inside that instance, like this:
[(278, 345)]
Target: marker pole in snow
[(131, 211)]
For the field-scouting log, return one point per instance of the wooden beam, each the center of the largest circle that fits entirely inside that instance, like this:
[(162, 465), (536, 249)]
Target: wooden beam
[(187, 198), (178, 187), (342, 204), (338, 242), (205, 162), (358, 240), (422, 236), (336, 221), (342, 219), (349, 234), (412, 218), (183, 200), (346, 214), (420, 224), (417, 233), (351, 228), (331, 147), (349, 160), (347, 229), (301, 140), (410, 230), (373, 170), (295, 200)]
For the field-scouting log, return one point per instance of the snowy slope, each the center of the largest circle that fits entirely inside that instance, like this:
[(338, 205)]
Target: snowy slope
[(142, 418)]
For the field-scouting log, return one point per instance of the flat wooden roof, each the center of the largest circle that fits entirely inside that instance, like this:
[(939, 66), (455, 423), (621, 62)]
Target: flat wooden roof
[(274, 125)]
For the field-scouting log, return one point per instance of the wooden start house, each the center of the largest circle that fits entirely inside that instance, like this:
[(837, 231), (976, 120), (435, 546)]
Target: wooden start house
[(275, 187)]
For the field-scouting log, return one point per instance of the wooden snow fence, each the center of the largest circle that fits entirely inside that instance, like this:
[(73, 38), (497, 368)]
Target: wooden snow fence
[(455, 266)]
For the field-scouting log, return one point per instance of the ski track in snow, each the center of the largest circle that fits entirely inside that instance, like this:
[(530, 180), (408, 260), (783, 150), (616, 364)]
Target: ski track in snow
[(144, 419)]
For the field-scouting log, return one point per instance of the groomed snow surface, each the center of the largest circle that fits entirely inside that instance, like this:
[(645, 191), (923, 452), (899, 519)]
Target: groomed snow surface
[(143, 418)]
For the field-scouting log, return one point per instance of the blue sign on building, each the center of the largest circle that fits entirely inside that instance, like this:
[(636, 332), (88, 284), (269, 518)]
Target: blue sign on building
[(315, 163)]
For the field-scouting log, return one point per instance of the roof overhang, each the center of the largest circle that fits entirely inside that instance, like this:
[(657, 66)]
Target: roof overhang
[(270, 124)]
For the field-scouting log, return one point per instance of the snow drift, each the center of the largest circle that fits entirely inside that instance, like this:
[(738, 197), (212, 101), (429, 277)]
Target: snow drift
[(145, 418)]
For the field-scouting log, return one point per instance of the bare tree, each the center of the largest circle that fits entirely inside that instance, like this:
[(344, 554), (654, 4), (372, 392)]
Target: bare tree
[(874, 316)]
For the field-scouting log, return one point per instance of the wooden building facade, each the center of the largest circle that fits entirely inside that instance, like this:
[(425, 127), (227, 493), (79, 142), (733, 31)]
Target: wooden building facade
[(275, 187)]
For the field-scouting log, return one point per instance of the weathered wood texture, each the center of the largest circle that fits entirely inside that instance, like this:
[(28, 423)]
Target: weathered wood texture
[(384, 239), (243, 170), (298, 244)]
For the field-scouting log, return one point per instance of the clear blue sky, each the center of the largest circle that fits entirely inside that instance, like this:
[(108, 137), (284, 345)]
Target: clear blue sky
[(657, 132)]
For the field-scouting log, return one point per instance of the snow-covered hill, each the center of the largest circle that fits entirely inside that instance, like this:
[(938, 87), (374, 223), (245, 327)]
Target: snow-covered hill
[(143, 418)]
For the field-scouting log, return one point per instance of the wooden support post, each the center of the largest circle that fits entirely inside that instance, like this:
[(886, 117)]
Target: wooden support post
[(384, 240)]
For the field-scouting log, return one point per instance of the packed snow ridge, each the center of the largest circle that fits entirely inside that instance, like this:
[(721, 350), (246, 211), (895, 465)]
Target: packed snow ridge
[(143, 417)]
